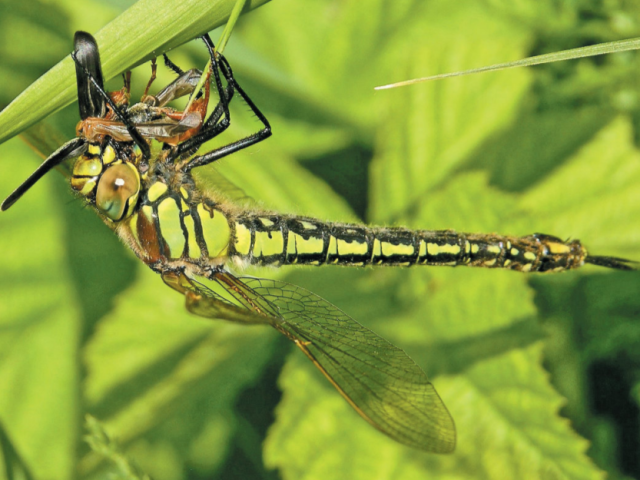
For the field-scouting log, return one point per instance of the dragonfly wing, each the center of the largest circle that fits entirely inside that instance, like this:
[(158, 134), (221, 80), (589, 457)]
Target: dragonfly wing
[(215, 182), (169, 126), (163, 128), (159, 129), (204, 302), (378, 380)]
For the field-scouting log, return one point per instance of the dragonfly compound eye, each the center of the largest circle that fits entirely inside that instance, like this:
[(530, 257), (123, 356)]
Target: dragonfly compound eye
[(117, 192), (86, 172)]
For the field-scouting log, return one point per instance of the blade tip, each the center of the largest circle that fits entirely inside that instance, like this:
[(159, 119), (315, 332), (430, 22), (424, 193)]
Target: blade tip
[(7, 203), (615, 263)]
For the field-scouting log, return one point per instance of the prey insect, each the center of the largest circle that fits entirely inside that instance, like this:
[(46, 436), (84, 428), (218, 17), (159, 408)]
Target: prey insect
[(151, 116), (182, 232)]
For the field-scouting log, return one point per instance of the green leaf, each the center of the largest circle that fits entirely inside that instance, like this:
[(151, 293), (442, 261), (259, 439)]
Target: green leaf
[(314, 429), (14, 466), (357, 49), (100, 442), (167, 386), (430, 130), (265, 174), (534, 159), (39, 329), (146, 30), (151, 365), (593, 195), (475, 331)]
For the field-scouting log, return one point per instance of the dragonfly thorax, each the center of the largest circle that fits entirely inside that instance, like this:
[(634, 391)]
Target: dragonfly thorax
[(108, 179)]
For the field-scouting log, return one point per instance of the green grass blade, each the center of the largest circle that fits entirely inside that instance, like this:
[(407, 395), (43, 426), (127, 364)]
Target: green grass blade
[(100, 442), (224, 38), (14, 465), (147, 29), (591, 51), (233, 18)]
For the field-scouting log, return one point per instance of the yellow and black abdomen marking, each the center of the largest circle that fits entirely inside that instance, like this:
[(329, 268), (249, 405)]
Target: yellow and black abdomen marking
[(265, 239)]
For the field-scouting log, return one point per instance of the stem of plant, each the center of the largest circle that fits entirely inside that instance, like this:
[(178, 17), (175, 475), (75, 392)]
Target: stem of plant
[(222, 43)]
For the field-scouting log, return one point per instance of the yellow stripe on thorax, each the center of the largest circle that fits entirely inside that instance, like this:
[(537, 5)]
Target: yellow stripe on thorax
[(171, 228), (194, 248), (216, 231)]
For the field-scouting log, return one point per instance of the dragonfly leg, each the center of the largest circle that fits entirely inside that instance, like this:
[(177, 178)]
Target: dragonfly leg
[(172, 66), (207, 134), (184, 84), (219, 120)]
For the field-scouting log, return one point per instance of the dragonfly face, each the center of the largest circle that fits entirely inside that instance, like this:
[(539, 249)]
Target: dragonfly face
[(109, 179), (183, 232)]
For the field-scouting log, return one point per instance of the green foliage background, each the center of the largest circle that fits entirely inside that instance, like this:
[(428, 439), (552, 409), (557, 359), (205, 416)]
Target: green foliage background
[(529, 366)]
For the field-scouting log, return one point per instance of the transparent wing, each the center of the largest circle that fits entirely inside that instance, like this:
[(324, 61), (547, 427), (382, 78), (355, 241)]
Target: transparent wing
[(214, 182), (379, 380), (168, 126), (204, 302), (159, 129)]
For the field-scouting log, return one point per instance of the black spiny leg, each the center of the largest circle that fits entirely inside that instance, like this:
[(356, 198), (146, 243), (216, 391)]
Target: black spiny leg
[(210, 128), (223, 106), (122, 115), (207, 134), (169, 64), (185, 85), (190, 78), (213, 126)]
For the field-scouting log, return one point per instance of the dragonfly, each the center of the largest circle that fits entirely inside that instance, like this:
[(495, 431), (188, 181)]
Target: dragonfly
[(191, 236)]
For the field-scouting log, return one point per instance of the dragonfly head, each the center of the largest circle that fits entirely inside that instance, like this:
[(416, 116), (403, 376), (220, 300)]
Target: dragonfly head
[(109, 180), (91, 101)]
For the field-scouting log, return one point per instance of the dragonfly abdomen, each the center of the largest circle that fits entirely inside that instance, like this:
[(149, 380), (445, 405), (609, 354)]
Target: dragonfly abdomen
[(169, 225), (265, 239)]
